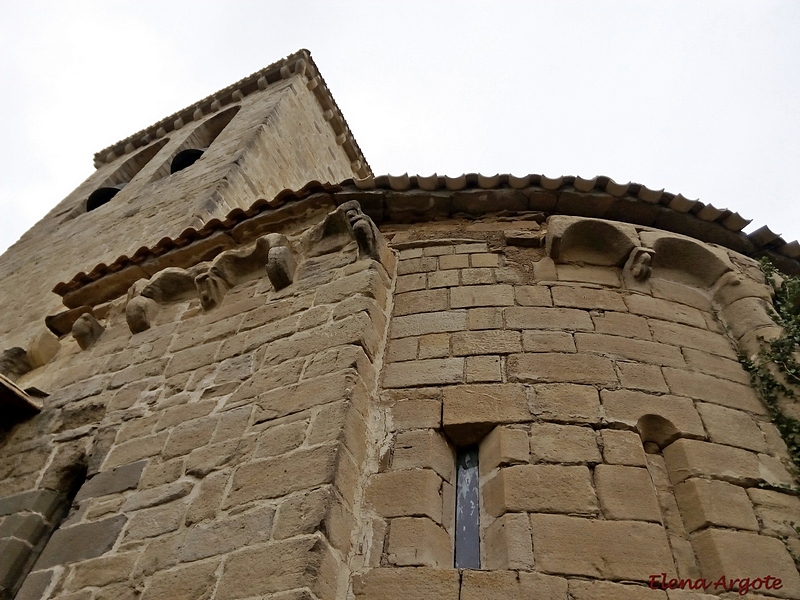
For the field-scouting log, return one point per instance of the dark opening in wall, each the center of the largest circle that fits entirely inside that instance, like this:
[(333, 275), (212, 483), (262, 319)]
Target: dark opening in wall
[(185, 159), (114, 183), (468, 513), (101, 196), (198, 141)]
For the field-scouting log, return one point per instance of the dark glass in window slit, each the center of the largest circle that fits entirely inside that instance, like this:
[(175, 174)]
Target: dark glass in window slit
[(468, 513)]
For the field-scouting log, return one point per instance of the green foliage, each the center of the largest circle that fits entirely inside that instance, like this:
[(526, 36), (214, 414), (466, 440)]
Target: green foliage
[(782, 352)]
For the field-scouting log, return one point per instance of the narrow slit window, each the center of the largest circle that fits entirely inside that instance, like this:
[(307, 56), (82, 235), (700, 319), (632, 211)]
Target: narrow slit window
[(468, 513)]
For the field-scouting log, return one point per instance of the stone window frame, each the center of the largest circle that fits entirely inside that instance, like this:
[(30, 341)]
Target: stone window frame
[(487, 444)]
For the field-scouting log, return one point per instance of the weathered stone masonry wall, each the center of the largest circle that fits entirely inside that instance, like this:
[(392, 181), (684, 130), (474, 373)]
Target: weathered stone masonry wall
[(299, 443), (223, 447), (566, 371)]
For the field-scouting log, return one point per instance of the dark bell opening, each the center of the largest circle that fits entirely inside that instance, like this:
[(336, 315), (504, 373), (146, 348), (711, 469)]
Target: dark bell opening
[(184, 159), (100, 196)]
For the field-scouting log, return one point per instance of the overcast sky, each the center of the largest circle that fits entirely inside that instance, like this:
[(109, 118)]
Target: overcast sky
[(701, 98)]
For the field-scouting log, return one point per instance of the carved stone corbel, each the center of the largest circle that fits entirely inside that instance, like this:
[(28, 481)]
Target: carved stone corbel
[(211, 288), (239, 265), (141, 309), (14, 363), (638, 266), (364, 230), (87, 330), (281, 266)]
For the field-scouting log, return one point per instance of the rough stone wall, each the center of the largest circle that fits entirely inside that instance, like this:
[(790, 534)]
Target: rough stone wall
[(279, 139), (222, 448), (618, 435)]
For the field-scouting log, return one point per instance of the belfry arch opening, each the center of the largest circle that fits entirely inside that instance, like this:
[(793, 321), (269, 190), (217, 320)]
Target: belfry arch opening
[(114, 183), (185, 159), (195, 145)]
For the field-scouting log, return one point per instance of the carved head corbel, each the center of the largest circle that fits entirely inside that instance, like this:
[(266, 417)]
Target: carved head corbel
[(638, 265), (211, 288), (364, 230)]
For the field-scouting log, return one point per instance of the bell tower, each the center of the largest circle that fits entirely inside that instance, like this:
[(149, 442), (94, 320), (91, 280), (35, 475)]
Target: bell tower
[(278, 128)]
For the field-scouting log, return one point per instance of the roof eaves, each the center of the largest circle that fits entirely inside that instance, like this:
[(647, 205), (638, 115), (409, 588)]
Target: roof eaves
[(675, 213)]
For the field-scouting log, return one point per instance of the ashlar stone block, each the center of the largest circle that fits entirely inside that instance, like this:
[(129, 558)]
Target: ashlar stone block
[(188, 582), (435, 371), (503, 446), (623, 448), (409, 493), (82, 541), (507, 543), (156, 521), (421, 302), (731, 427), (157, 495), (281, 475), (486, 342), (102, 571), (433, 322), (711, 389), (561, 368), (302, 561), (532, 295), (569, 319), (433, 345), (470, 411), (415, 413), (622, 324), (547, 341), (711, 364), (619, 347), (565, 402), (505, 585), (225, 535), (419, 542), (397, 584), (706, 503), (424, 448), (616, 550), (626, 493), (693, 458), (664, 309), (605, 590), (113, 480), (639, 376), (693, 338), (776, 510), (206, 503), (563, 444), (540, 488), (482, 295), (484, 369), (588, 298), (746, 555)]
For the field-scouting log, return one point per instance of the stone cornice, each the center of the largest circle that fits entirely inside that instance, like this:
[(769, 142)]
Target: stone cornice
[(400, 199)]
